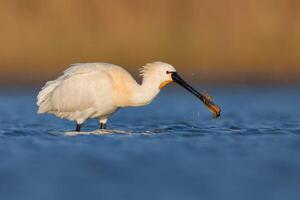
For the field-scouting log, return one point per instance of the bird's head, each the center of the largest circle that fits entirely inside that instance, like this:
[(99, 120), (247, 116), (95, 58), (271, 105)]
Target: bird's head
[(158, 71), (165, 73)]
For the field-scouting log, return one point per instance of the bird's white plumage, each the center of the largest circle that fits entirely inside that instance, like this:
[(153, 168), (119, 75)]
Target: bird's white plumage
[(97, 90)]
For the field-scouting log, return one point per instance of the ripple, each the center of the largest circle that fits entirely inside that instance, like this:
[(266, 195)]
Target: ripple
[(158, 148)]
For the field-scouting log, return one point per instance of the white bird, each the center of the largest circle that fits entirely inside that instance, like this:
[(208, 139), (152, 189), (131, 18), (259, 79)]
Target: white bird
[(97, 90)]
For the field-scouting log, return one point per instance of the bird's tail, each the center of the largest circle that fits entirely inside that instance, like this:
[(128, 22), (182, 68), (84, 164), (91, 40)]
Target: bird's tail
[(44, 96)]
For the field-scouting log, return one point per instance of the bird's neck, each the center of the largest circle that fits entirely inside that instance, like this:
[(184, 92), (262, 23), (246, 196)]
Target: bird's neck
[(146, 92)]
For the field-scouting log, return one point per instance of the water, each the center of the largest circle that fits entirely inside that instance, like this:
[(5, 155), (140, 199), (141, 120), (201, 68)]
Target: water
[(175, 149)]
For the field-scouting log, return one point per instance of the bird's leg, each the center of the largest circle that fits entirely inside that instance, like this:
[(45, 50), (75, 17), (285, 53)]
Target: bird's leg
[(78, 127), (102, 125), (102, 122)]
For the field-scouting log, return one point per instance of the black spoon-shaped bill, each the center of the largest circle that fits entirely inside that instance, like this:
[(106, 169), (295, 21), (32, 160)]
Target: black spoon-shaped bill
[(204, 98)]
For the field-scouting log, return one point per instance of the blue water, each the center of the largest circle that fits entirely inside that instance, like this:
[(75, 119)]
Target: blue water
[(176, 150)]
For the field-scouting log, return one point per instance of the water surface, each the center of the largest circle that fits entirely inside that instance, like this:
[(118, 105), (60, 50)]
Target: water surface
[(175, 149)]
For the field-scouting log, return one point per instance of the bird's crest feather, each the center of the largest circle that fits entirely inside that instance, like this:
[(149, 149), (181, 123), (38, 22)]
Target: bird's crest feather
[(148, 68)]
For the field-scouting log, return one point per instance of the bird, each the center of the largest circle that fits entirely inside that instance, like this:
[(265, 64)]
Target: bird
[(97, 90)]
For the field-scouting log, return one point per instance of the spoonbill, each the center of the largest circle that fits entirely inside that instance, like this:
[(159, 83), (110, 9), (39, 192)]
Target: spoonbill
[(97, 90)]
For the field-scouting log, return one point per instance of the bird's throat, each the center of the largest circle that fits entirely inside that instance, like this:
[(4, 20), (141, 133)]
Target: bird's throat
[(163, 84)]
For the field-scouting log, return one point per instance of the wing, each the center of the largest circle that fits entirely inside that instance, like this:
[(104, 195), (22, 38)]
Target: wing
[(75, 90)]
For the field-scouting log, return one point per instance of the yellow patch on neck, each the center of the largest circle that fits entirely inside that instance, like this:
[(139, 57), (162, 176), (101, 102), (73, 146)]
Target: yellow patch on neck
[(163, 84)]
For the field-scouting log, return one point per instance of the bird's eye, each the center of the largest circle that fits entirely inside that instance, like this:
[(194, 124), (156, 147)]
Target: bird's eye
[(168, 72)]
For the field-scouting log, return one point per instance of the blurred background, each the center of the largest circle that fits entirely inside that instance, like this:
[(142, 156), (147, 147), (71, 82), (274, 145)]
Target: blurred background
[(246, 52), (209, 41)]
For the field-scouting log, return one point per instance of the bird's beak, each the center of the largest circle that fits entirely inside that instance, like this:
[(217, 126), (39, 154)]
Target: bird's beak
[(204, 98)]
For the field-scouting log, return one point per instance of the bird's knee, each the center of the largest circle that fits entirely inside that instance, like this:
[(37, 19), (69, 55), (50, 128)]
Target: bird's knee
[(104, 121)]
